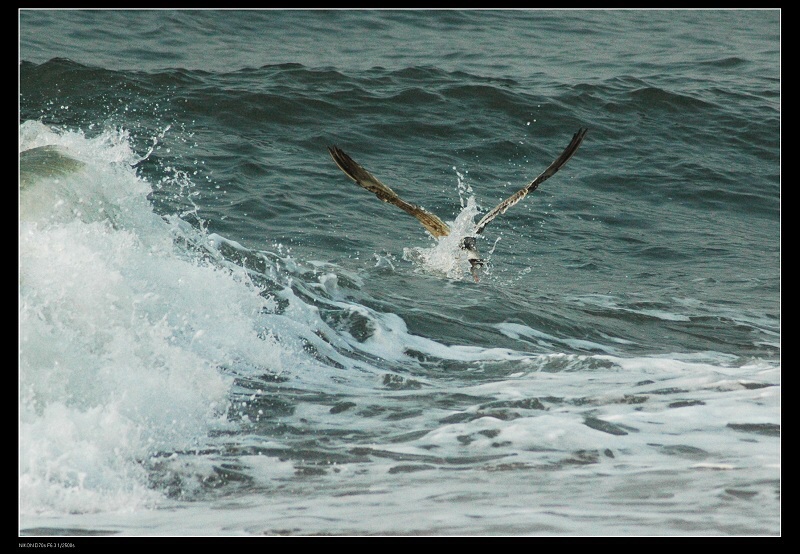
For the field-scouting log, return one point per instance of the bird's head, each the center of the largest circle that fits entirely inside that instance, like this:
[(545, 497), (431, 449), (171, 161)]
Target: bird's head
[(475, 261)]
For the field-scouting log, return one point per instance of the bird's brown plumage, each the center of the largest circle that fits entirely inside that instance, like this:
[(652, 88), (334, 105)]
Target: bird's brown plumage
[(348, 165), (431, 222), (501, 208)]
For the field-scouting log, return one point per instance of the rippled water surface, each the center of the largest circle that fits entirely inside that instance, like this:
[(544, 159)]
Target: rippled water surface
[(221, 334)]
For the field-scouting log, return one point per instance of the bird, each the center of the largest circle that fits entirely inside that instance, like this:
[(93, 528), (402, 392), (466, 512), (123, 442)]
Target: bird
[(432, 223)]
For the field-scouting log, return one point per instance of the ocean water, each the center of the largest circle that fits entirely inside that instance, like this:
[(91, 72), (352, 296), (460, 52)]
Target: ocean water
[(220, 334)]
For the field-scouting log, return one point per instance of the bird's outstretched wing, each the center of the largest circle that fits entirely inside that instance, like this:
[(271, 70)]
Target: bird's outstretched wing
[(433, 224), (546, 174)]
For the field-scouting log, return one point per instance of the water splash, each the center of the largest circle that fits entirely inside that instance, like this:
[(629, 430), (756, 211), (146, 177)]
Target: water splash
[(446, 257), (464, 188)]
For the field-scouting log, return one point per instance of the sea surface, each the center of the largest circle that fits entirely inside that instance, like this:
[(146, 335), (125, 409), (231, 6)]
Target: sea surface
[(220, 334)]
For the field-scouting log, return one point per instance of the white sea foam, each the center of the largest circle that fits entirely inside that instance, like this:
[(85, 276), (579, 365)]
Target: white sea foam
[(121, 334)]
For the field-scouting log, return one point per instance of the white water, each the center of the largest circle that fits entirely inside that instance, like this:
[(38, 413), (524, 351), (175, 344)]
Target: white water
[(121, 334), (130, 343)]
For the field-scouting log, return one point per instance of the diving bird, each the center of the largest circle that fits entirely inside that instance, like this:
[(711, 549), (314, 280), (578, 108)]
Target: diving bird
[(431, 222)]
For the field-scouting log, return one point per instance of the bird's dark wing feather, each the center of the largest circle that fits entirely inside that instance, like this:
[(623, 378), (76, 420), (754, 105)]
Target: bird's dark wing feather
[(546, 174), (433, 224)]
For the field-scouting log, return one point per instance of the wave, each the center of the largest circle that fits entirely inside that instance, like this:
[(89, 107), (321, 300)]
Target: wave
[(138, 331)]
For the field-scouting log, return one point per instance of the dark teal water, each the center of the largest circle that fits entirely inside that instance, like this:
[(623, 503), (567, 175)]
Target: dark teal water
[(625, 339)]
